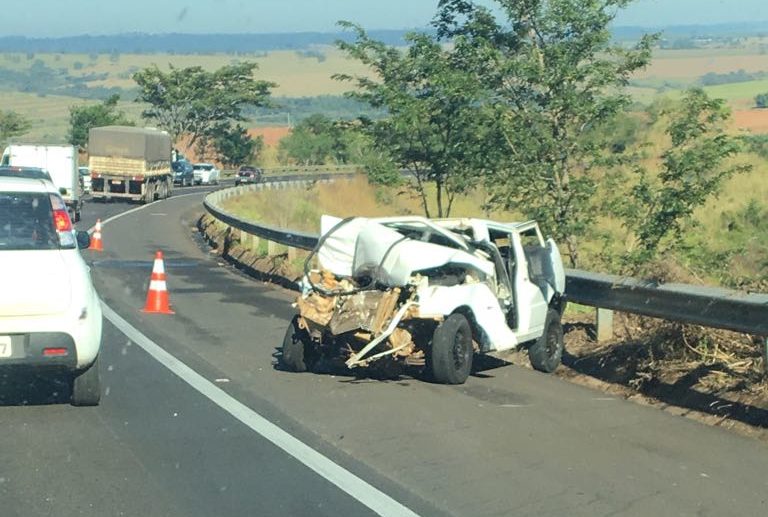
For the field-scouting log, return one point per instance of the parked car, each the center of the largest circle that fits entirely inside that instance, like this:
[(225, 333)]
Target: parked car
[(50, 314), (183, 174), (206, 174), (248, 174), (85, 179), (402, 292)]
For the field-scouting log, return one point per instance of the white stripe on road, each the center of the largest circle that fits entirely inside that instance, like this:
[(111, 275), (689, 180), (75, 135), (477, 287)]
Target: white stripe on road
[(359, 489)]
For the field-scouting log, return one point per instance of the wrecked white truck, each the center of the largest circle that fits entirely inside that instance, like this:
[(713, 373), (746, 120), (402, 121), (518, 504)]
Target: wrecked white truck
[(400, 292)]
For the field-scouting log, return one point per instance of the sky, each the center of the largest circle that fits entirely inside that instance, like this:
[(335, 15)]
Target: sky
[(43, 18)]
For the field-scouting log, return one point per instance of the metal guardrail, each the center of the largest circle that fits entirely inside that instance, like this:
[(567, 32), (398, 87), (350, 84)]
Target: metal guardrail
[(707, 306)]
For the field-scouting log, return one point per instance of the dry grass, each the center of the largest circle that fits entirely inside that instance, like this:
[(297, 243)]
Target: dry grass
[(356, 197)]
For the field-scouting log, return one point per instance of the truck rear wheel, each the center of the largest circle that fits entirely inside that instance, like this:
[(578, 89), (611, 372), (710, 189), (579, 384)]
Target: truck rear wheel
[(298, 354), (450, 357), (547, 352)]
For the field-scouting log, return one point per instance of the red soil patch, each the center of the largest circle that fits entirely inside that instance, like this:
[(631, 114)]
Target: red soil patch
[(272, 135), (754, 120)]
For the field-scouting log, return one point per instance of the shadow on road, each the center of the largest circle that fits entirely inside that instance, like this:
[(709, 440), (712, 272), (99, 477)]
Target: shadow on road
[(33, 390)]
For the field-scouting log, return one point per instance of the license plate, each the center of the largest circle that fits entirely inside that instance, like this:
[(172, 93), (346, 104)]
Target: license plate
[(116, 182), (6, 350)]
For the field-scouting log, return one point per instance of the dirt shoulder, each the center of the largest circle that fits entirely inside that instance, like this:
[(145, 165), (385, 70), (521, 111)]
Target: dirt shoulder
[(712, 376)]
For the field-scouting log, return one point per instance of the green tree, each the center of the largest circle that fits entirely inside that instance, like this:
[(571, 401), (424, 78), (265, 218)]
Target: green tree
[(316, 140), (437, 121), (557, 78), (192, 102), (12, 125), (234, 146), (761, 100), (83, 118), (693, 169)]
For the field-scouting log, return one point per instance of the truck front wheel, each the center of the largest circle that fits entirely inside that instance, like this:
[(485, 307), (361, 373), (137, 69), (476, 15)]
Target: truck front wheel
[(450, 357), (547, 352), (298, 354)]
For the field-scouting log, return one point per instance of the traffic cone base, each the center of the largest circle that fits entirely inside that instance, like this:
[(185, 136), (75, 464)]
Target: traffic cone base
[(96, 243), (158, 300)]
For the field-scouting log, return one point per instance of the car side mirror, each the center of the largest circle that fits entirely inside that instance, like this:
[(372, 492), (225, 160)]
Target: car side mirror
[(83, 240)]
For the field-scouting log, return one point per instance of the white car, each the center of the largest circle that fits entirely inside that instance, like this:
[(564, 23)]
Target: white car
[(205, 174), (85, 179), (50, 314), (410, 291)]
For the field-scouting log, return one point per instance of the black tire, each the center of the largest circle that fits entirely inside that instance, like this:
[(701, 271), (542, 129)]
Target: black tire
[(547, 352), (297, 355), (86, 386), (450, 357)]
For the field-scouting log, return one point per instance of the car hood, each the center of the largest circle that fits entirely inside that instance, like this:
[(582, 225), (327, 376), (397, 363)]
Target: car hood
[(34, 283)]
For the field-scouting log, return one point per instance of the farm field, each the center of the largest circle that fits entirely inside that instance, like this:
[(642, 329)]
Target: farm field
[(49, 115), (297, 75), (305, 74)]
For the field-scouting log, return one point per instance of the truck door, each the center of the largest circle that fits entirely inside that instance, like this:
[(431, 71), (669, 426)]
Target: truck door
[(530, 281)]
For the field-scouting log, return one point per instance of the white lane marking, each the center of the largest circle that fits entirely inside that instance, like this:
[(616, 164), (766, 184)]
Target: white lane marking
[(158, 213), (357, 488)]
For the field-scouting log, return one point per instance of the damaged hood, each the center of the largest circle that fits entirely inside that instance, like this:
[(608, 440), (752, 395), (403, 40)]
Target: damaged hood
[(366, 246)]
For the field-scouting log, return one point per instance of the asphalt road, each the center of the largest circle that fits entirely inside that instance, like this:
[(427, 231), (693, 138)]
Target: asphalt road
[(509, 442)]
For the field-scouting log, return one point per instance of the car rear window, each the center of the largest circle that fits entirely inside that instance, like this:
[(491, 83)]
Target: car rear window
[(25, 172), (26, 222)]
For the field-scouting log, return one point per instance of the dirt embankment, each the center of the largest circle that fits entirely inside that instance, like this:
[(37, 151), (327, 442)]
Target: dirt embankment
[(709, 375)]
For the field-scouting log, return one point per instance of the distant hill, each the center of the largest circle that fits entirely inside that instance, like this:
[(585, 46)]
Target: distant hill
[(695, 31), (141, 43)]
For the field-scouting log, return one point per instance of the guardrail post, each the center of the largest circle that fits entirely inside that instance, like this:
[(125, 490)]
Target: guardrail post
[(291, 253), (764, 344), (271, 248), (604, 324), (254, 244)]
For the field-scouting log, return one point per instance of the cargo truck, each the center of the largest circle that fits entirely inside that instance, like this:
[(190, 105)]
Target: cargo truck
[(60, 161), (130, 163)]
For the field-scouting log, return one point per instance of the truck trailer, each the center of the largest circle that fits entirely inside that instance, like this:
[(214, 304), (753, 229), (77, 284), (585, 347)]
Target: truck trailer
[(130, 163), (61, 163)]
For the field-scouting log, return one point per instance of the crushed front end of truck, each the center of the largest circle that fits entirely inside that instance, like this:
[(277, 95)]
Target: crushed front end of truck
[(374, 292)]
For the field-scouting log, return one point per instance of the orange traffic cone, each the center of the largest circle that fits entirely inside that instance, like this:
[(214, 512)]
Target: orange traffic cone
[(157, 295), (96, 244)]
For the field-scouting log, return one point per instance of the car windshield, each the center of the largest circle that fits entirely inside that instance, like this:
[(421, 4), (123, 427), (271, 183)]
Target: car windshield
[(204, 167), (26, 222)]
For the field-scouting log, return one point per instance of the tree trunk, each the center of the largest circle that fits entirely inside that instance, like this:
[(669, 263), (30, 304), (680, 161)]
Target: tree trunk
[(439, 185), (573, 251)]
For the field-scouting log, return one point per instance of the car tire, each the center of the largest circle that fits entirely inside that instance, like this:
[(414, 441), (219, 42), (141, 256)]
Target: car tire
[(297, 354), (451, 353), (547, 352), (86, 386)]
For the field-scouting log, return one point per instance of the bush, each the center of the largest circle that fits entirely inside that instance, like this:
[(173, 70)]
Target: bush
[(761, 101)]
